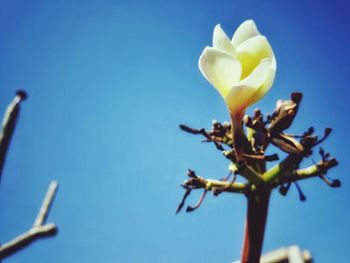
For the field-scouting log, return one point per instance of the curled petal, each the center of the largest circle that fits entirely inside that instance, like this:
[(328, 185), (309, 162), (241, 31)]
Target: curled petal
[(220, 68), (267, 84), (221, 41), (245, 31), (252, 88), (252, 51)]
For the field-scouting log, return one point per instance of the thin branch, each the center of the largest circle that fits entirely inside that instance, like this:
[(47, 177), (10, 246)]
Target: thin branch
[(45, 207), (212, 185), (8, 125), (318, 169), (25, 239), (38, 230)]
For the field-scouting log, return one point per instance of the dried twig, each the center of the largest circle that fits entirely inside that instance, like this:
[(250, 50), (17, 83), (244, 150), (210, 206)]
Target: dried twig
[(9, 124), (39, 228)]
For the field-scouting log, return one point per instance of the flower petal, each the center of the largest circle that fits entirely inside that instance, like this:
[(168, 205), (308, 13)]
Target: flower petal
[(245, 31), (266, 86), (220, 69), (252, 88), (221, 40), (252, 51)]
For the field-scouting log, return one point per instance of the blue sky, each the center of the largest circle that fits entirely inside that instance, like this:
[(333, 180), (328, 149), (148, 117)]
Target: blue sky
[(109, 82)]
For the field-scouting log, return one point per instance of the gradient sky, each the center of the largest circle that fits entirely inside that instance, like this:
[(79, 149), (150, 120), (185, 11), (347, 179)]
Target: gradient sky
[(109, 82)]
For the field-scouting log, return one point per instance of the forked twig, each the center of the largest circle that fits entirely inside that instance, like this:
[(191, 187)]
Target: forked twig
[(39, 228)]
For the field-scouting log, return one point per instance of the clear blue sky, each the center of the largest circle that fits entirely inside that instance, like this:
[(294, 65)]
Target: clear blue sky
[(109, 82)]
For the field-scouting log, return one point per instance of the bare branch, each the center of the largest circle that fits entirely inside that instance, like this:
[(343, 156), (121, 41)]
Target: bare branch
[(45, 207), (9, 124), (38, 230), (26, 238)]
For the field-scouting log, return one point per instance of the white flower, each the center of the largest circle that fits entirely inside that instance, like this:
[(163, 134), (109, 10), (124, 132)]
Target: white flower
[(241, 69)]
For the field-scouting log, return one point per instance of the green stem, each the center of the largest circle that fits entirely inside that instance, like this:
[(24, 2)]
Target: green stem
[(247, 172), (283, 168), (235, 187)]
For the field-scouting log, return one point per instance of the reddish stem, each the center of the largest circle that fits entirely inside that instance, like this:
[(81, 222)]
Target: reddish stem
[(237, 133), (258, 203)]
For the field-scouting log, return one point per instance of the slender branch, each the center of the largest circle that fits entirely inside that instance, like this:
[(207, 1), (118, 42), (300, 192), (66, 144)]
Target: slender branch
[(228, 186), (318, 169), (25, 239), (45, 207), (8, 125), (212, 185), (38, 230)]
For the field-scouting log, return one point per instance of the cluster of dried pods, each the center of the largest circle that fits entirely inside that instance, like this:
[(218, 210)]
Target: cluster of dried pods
[(261, 132)]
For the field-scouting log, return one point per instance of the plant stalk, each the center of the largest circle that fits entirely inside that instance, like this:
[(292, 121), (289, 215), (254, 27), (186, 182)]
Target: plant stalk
[(238, 134), (258, 203)]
